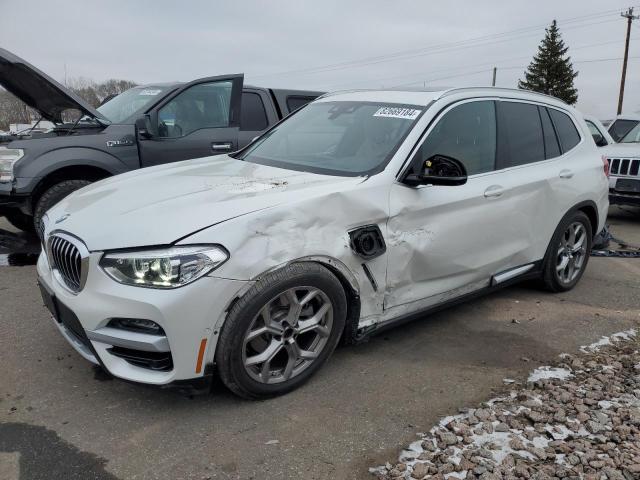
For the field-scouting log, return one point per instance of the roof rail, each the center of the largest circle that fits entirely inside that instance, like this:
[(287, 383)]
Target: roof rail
[(451, 91)]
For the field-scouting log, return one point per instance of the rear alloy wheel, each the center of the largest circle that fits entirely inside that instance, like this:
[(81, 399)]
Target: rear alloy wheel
[(281, 331), (568, 253), (571, 253)]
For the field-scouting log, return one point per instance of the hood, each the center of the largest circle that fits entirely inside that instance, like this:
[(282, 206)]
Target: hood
[(160, 205), (621, 150), (39, 91)]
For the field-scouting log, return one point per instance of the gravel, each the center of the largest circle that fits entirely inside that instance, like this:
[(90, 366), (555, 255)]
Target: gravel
[(578, 419)]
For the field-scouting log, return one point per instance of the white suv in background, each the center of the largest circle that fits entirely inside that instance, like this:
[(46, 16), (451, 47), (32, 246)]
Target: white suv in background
[(362, 209), (624, 162)]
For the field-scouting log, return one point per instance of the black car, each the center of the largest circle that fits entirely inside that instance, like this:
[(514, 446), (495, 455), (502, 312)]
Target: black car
[(143, 126)]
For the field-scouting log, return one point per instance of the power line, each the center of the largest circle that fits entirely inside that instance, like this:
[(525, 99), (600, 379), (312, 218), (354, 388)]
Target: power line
[(441, 48), (435, 50), (514, 67), (489, 63)]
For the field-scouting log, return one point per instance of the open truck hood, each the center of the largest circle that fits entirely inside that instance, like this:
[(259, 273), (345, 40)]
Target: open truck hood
[(39, 91)]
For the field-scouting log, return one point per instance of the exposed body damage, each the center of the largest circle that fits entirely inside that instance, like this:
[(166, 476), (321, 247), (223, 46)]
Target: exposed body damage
[(307, 228)]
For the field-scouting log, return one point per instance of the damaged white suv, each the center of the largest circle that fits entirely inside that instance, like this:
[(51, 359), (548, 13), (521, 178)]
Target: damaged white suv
[(362, 209)]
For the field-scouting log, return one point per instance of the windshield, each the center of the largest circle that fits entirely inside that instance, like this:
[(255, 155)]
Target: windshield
[(336, 138), (623, 130), (633, 136), (133, 101)]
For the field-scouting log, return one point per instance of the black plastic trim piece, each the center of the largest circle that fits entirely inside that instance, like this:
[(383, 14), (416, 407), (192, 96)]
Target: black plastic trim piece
[(157, 361), (370, 277)]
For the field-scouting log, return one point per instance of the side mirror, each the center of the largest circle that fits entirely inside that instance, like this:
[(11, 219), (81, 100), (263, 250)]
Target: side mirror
[(438, 170), (599, 139), (145, 127)]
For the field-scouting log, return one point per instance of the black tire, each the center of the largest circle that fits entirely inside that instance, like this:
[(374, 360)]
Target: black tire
[(53, 195), (21, 221), (551, 279), (230, 347)]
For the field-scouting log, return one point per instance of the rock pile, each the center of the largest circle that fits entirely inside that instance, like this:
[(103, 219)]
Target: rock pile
[(577, 420)]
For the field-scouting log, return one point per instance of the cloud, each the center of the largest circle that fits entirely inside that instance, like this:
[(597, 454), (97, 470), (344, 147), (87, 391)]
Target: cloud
[(152, 41)]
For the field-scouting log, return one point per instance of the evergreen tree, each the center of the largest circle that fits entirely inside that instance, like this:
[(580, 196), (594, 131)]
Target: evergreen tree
[(551, 71)]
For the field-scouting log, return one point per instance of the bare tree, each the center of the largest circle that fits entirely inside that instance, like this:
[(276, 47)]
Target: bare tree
[(12, 110)]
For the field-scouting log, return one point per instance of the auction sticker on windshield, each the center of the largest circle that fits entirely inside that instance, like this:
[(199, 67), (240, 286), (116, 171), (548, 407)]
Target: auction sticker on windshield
[(150, 91), (398, 112)]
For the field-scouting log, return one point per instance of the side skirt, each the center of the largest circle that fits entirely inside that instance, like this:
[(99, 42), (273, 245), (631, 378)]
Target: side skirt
[(499, 281)]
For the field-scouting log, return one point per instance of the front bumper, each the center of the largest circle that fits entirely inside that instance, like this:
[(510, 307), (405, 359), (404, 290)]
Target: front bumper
[(191, 317)]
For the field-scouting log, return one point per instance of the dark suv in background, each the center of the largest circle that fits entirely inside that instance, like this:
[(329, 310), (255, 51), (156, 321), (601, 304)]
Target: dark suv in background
[(144, 126)]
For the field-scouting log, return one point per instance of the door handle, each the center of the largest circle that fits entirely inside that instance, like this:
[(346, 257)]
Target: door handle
[(566, 173), (219, 146), (494, 191)]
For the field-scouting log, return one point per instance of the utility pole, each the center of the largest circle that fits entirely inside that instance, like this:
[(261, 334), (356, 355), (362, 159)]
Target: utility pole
[(495, 71), (630, 18)]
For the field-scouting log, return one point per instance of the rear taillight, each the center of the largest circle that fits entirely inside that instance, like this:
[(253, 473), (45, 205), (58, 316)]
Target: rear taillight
[(605, 166)]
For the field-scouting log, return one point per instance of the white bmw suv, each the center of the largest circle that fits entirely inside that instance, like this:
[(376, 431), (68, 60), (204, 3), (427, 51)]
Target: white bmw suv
[(362, 209)]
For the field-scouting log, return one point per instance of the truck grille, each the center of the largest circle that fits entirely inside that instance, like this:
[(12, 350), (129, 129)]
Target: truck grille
[(624, 167), (66, 258)]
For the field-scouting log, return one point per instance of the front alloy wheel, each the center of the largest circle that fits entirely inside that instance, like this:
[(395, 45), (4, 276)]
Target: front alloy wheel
[(287, 335), (281, 331)]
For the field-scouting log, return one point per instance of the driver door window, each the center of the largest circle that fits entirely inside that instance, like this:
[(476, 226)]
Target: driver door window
[(206, 105), (467, 133)]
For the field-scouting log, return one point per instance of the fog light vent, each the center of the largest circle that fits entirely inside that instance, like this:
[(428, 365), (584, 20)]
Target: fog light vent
[(136, 325)]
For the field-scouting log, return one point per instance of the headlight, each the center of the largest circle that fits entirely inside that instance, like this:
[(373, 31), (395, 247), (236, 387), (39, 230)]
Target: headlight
[(165, 268), (8, 157)]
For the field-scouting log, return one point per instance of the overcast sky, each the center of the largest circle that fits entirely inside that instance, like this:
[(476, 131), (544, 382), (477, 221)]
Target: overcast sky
[(367, 43)]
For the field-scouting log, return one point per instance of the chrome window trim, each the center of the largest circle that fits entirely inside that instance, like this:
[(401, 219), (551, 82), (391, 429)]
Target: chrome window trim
[(434, 121)]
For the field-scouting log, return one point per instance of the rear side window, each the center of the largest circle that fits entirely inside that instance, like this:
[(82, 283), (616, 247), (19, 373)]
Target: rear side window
[(566, 130), (294, 102), (524, 142), (253, 116), (551, 145)]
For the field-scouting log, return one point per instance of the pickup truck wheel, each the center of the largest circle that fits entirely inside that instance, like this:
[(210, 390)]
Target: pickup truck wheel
[(53, 195), (281, 331), (568, 253), (21, 221)]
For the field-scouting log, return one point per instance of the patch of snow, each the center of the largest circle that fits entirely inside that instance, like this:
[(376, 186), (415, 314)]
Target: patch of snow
[(559, 431), (624, 335), (451, 418), (461, 475), (605, 404), (543, 373), (540, 442)]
